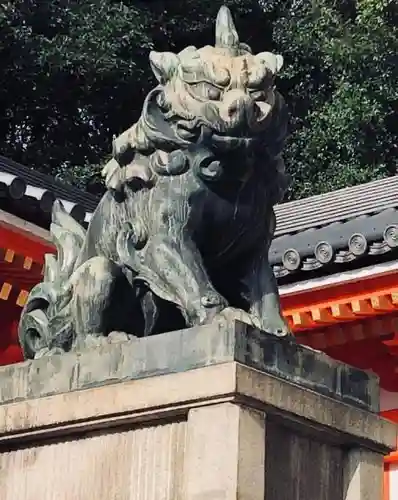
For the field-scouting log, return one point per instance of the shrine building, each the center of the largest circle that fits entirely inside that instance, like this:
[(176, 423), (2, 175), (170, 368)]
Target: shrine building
[(335, 257)]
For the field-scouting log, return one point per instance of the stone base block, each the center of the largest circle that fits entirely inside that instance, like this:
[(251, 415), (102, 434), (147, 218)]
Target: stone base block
[(212, 413)]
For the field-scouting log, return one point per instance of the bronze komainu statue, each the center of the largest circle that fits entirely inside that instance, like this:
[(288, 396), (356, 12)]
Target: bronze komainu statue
[(183, 232)]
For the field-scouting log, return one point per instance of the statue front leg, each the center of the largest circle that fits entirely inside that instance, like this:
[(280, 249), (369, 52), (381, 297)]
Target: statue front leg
[(173, 268), (103, 299), (265, 310)]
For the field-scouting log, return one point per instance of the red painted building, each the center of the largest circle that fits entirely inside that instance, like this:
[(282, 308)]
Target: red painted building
[(335, 257)]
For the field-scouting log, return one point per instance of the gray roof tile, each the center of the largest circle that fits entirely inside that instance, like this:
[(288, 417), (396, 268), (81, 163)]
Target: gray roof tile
[(336, 228)]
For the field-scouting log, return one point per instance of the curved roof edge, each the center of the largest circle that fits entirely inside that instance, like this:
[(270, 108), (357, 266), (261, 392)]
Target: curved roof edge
[(336, 206)]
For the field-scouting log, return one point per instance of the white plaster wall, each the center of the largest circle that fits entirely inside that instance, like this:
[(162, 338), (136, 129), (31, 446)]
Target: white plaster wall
[(394, 482), (388, 401)]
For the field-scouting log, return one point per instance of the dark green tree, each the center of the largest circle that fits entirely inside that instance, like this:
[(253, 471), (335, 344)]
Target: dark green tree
[(71, 71), (74, 73), (340, 80)]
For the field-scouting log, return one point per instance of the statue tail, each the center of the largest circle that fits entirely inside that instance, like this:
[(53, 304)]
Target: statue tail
[(49, 300)]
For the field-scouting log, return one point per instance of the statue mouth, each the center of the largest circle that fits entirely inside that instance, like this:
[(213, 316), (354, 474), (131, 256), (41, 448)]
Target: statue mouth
[(215, 133), (226, 143), (243, 136)]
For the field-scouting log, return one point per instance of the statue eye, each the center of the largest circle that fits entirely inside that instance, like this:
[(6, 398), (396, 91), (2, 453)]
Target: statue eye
[(223, 77), (213, 93), (206, 91)]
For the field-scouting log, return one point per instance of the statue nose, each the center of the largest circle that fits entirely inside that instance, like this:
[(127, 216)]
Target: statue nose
[(236, 105), (233, 107)]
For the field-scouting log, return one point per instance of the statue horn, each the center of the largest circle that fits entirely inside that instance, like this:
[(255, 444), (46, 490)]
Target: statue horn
[(226, 35)]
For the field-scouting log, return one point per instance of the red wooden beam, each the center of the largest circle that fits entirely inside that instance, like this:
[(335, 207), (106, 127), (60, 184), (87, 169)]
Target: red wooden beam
[(340, 292), (13, 354), (24, 243), (20, 280)]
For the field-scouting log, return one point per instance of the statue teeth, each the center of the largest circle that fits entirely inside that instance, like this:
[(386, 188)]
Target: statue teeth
[(265, 108), (163, 157)]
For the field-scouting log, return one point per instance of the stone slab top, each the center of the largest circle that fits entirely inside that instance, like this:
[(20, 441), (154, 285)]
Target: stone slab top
[(112, 362), (172, 396)]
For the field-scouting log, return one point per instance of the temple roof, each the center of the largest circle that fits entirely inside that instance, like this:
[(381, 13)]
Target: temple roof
[(319, 235), (32, 194), (325, 232)]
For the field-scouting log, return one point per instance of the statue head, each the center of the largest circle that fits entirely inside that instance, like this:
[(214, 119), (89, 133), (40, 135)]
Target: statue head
[(225, 87), (215, 110)]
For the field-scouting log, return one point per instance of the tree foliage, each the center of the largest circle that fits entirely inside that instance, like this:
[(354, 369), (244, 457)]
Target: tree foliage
[(71, 71), (74, 73), (340, 79)]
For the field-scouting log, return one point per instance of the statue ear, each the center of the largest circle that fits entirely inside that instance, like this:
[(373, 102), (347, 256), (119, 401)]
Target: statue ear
[(279, 63), (274, 62), (163, 64), (245, 48)]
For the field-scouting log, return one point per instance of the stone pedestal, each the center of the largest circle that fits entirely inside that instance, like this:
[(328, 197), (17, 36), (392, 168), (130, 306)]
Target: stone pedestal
[(212, 413)]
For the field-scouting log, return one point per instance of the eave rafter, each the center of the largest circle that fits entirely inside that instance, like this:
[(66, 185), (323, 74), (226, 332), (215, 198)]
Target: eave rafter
[(22, 252), (18, 274), (383, 327), (355, 322), (369, 344), (342, 311)]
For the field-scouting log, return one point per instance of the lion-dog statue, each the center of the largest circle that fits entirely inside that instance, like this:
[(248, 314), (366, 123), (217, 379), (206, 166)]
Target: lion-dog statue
[(183, 232)]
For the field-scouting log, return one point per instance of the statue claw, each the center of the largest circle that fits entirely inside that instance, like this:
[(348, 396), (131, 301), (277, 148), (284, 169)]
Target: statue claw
[(234, 314)]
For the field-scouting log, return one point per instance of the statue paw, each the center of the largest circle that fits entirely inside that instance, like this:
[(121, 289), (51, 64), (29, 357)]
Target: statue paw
[(281, 329), (234, 314), (91, 341), (212, 299), (211, 305), (116, 337), (46, 352)]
